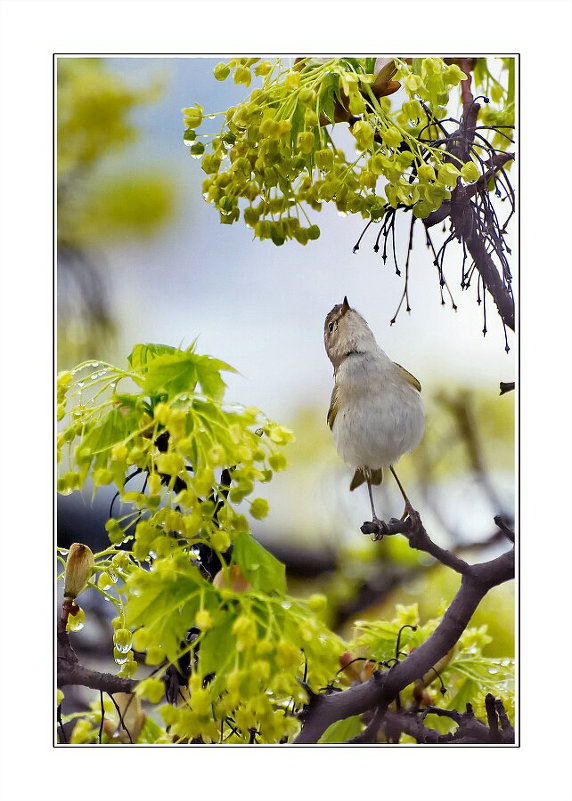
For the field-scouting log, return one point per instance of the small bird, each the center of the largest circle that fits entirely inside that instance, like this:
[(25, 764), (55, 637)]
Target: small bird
[(376, 412)]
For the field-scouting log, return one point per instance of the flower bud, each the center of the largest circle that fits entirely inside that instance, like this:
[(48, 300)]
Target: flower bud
[(221, 72), (259, 508), (79, 566), (305, 142)]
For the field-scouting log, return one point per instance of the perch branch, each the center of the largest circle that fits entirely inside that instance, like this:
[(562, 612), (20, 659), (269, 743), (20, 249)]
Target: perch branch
[(383, 688)]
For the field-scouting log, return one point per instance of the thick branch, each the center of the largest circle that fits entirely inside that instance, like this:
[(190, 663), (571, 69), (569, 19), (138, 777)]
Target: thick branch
[(382, 689)]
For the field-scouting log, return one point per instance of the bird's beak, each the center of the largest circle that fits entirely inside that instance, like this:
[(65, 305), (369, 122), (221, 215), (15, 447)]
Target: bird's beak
[(345, 306)]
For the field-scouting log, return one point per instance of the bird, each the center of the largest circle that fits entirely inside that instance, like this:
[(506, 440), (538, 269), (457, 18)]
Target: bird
[(376, 412)]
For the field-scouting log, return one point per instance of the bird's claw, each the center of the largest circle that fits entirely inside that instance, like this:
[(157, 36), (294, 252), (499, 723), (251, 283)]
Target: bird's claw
[(376, 527)]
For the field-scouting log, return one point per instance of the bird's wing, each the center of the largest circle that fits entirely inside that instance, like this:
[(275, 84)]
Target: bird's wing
[(334, 407), (408, 377)]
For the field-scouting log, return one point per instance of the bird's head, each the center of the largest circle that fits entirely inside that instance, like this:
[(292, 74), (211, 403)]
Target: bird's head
[(346, 331)]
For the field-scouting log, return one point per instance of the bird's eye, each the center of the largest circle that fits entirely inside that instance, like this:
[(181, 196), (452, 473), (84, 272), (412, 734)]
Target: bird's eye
[(331, 326)]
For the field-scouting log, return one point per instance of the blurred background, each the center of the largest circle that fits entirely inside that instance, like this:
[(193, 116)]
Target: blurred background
[(142, 258)]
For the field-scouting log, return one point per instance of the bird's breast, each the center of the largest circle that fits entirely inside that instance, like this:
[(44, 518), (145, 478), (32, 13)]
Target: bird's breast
[(380, 415)]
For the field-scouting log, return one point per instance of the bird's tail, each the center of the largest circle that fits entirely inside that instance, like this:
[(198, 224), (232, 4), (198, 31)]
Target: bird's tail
[(376, 477)]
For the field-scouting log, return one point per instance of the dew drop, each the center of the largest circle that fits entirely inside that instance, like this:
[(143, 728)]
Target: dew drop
[(120, 659), (196, 155), (113, 576), (493, 670), (124, 649), (75, 625), (285, 604), (187, 143)]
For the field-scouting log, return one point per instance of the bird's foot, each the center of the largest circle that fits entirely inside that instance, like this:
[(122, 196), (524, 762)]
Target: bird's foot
[(376, 527), (409, 512)]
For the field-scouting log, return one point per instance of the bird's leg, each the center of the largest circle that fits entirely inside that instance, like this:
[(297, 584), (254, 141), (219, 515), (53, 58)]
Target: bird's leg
[(375, 518), (408, 507)]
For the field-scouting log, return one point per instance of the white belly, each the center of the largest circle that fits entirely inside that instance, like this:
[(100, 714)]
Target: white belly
[(376, 424)]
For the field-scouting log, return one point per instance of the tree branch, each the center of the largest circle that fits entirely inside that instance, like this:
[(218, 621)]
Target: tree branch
[(383, 688), (469, 728), (70, 671), (413, 529)]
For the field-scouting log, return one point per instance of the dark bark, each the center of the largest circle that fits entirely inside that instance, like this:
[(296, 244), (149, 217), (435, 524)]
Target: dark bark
[(70, 671), (383, 688)]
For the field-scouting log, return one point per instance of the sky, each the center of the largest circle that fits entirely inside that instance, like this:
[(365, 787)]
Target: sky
[(261, 307)]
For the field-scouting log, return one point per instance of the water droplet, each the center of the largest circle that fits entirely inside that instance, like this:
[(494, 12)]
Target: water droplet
[(493, 670), (81, 384), (211, 116), (124, 649), (285, 604), (187, 142), (342, 214), (505, 662), (196, 155), (113, 576), (152, 555), (120, 659), (76, 625)]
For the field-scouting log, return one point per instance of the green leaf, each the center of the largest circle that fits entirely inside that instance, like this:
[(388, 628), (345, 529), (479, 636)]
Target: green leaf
[(208, 375), (114, 427), (167, 602), (150, 732), (179, 372), (218, 650), (342, 730), (262, 569), (142, 354), (467, 692), (171, 373), (326, 96)]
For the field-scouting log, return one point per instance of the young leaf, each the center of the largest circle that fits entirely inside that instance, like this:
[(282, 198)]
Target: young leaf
[(262, 569), (171, 373), (167, 603), (114, 427), (150, 732), (208, 375), (218, 649), (326, 96), (342, 730), (142, 354)]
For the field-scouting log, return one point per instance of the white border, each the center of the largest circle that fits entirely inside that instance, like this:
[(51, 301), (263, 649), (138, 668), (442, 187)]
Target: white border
[(31, 32)]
